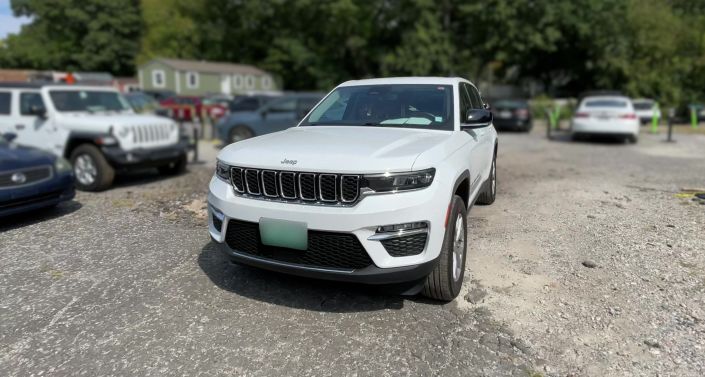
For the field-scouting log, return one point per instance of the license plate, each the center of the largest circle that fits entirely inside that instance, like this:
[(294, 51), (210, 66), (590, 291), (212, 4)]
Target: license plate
[(283, 233), (505, 114)]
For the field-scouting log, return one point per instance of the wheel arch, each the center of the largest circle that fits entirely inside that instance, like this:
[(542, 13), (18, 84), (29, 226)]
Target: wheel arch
[(462, 187)]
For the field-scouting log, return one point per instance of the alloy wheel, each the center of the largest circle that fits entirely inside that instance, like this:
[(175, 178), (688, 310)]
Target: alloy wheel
[(458, 248), (84, 169)]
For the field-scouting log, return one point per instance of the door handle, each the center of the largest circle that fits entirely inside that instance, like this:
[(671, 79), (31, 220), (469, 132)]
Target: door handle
[(19, 126)]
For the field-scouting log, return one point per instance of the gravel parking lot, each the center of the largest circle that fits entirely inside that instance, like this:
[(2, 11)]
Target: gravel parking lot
[(590, 263)]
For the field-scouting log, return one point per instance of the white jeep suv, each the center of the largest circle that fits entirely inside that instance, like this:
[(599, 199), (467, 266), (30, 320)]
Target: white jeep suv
[(372, 186), (94, 127)]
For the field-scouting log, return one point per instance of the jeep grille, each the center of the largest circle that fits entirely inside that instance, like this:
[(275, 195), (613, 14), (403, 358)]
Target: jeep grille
[(318, 188)]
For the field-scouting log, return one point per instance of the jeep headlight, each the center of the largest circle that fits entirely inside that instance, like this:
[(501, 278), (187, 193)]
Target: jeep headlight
[(62, 165), (123, 132), (222, 171), (392, 182)]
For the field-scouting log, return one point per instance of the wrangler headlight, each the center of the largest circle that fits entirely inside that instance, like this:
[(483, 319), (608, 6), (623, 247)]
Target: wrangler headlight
[(391, 182), (62, 165), (222, 171)]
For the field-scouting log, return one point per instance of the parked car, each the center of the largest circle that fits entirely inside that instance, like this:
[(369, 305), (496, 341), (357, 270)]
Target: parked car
[(512, 114), (144, 104), (606, 116), (276, 115), (30, 178), (646, 110), (183, 106), (94, 127), (372, 186), (159, 95), (249, 103)]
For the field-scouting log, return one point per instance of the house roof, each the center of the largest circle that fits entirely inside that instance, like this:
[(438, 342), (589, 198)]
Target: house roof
[(211, 67)]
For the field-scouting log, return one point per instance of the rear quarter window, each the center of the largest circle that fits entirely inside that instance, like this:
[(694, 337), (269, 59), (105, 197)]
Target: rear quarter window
[(5, 100)]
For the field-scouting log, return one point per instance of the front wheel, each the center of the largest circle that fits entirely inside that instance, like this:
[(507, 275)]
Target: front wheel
[(446, 279), (91, 169)]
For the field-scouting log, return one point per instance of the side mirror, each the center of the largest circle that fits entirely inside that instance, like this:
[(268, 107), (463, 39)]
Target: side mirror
[(37, 110), (9, 136), (487, 106), (477, 118)]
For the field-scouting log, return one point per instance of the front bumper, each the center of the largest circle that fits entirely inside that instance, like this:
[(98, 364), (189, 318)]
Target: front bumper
[(140, 158), (361, 220), (49, 193)]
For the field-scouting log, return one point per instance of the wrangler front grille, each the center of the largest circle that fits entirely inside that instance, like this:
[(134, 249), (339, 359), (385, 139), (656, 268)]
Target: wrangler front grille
[(319, 188)]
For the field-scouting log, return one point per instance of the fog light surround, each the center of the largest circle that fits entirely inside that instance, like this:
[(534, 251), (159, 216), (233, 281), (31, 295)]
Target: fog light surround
[(385, 232), (217, 218)]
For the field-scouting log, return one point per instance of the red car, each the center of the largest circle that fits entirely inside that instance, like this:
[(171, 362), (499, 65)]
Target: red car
[(181, 107)]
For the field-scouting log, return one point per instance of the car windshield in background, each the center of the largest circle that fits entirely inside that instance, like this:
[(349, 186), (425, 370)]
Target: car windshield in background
[(643, 105), (87, 100), (395, 105), (606, 103)]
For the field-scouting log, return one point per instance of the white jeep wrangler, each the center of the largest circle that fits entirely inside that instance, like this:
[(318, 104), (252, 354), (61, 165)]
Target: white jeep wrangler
[(372, 186), (94, 127)]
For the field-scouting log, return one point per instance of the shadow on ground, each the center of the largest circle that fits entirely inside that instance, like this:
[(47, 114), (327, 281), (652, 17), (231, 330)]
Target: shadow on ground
[(296, 292), (39, 215)]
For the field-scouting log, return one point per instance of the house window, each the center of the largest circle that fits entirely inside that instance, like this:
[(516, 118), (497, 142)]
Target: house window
[(266, 82), (250, 82), (192, 80), (237, 81), (158, 79)]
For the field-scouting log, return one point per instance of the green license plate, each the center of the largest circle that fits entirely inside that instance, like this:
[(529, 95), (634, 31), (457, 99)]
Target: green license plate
[(283, 233)]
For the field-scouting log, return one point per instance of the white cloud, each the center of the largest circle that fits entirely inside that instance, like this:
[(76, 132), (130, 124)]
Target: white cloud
[(10, 24)]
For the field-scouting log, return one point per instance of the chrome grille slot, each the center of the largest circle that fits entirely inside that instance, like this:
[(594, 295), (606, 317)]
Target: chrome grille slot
[(269, 183), (295, 187), (287, 185), (237, 180), (327, 184), (252, 181), (349, 188), (307, 186)]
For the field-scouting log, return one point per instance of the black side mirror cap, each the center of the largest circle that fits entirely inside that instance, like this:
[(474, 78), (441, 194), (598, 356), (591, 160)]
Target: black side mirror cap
[(477, 118), (9, 136)]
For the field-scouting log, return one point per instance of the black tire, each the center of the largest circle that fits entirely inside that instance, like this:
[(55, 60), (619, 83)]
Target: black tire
[(489, 187), (175, 167), (633, 139), (240, 133), (104, 173), (442, 283)]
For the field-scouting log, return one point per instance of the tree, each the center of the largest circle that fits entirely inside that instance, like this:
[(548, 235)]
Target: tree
[(76, 35)]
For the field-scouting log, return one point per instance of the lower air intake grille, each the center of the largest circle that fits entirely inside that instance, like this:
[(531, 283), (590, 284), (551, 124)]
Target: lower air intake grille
[(325, 249), (405, 246)]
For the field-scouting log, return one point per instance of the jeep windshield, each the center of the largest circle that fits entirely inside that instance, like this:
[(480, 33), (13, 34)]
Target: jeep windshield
[(88, 101), (394, 105)]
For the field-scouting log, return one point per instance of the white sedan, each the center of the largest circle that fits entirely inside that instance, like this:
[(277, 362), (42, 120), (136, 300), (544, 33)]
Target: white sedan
[(606, 116)]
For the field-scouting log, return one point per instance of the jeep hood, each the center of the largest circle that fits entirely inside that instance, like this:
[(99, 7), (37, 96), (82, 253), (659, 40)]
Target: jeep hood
[(101, 123), (337, 149)]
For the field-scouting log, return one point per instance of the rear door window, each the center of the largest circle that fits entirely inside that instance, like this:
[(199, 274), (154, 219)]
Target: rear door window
[(5, 101)]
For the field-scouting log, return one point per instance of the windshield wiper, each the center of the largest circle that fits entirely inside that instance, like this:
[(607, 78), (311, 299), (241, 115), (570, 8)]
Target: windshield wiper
[(370, 124)]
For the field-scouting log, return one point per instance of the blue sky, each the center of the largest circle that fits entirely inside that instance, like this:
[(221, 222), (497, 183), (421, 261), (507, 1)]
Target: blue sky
[(8, 22)]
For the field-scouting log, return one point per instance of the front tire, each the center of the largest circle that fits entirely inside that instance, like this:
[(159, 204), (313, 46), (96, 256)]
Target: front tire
[(91, 169), (446, 279)]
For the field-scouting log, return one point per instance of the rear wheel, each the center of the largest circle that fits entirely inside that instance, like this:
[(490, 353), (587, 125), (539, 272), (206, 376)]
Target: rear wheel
[(240, 133), (446, 279), (91, 169)]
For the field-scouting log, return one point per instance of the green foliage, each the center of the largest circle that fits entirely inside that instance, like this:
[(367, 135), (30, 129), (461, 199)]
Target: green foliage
[(86, 35), (651, 48)]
